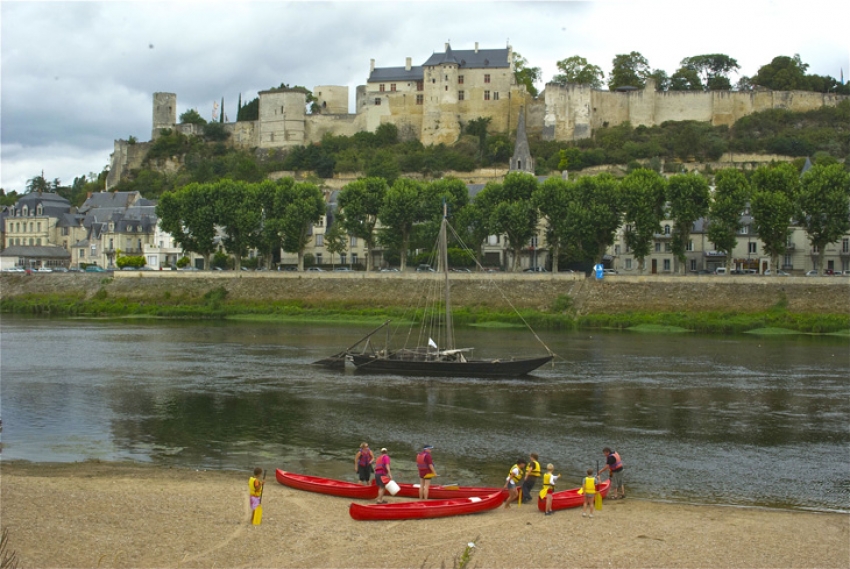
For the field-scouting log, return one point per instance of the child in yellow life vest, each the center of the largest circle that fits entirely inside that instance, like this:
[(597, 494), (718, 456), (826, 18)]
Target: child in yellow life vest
[(255, 490), (548, 489), (588, 486)]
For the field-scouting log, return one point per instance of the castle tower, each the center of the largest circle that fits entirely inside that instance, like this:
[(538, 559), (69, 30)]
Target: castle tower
[(521, 161), (164, 112), (439, 118)]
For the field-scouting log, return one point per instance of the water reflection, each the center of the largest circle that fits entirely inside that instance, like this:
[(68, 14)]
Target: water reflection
[(696, 418)]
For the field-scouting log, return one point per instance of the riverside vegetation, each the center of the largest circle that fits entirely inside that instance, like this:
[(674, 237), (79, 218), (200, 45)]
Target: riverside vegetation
[(559, 315)]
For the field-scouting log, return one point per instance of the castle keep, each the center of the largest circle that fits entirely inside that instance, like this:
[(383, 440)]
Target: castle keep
[(432, 102)]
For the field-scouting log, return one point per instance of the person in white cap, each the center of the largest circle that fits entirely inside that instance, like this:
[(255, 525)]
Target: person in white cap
[(383, 474), (425, 464)]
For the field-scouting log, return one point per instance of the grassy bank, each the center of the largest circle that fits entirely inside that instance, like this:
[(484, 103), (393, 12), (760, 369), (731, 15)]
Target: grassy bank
[(215, 305)]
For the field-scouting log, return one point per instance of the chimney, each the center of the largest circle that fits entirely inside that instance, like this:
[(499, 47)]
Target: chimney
[(447, 46), (407, 61), (476, 47), (371, 65)]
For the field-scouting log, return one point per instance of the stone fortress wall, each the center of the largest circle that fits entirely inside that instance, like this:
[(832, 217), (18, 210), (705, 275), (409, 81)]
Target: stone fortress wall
[(433, 110)]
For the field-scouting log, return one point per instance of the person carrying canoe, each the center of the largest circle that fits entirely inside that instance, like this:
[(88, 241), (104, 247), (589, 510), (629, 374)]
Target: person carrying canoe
[(363, 461), (383, 474), (614, 466), (425, 464), (548, 489), (255, 490), (532, 474), (512, 481), (588, 488)]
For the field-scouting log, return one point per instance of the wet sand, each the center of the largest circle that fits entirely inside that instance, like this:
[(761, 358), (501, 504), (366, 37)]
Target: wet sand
[(125, 515)]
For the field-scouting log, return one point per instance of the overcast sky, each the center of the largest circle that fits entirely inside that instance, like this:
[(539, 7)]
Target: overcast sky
[(78, 75)]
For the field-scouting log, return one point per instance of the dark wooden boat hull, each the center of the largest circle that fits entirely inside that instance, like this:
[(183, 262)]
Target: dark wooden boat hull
[(474, 368), (327, 486), (425, 508), (571, 498), (437, 492)]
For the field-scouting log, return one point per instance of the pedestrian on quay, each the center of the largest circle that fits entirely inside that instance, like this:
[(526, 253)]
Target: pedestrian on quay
[(614, 466), (363, 461), (383, 474), (425, 464), (532, 475), (588, 487), (255, 490), (549, 480), (513, 480)]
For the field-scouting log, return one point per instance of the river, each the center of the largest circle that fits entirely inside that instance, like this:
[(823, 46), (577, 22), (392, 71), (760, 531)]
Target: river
[(737, 420)]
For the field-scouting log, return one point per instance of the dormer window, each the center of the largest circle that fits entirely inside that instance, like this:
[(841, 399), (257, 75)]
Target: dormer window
[(39, 210)]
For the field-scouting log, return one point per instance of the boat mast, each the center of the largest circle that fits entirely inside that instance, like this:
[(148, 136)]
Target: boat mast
[(444, 261)]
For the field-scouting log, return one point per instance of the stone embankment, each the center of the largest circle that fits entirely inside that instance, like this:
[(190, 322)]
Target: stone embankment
[(615, 294)]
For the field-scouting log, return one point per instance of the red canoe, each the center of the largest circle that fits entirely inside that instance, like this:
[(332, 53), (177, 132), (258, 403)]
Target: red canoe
[(326, 485), (438, 492), (571, 498), (426, 508)]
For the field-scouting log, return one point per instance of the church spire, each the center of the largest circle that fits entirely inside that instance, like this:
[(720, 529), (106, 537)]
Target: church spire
[(521, 160)]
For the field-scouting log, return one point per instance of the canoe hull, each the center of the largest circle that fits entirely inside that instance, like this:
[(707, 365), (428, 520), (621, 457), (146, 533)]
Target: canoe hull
[(327, 486), (571, 498), (425, 508), (473, 368), (437, 492)]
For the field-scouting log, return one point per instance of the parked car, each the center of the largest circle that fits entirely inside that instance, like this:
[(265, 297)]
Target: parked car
[(389, 270), (14, 270), (609, 272), (289, 269), (44, 270), (535, 270), (95, 269), (316, 270), (701, 272), (780, 273), (812, 273), (461, 270), (343, 270), (720, 271), (845, 273), (60, 270), (424, 269)]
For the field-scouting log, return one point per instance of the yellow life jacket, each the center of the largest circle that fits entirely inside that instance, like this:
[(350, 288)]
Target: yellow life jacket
[(515, 474), (252, 489), (589, 485), (533, 468)]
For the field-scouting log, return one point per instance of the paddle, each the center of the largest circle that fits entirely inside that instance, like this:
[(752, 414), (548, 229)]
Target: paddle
[(597, 500), (258, 513)]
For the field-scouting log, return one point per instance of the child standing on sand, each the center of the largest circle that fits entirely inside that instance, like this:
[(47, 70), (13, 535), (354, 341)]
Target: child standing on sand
[(588, 485), (548, 489), (255, 490)]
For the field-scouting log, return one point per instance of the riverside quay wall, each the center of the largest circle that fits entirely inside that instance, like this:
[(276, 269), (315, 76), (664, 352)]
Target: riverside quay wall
[(612, 295)]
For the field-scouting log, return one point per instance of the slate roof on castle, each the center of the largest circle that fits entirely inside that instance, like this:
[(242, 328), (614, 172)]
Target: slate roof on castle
[(463, 58)]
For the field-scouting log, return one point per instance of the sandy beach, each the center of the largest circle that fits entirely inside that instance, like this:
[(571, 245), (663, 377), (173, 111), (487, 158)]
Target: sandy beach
[(125, 515)]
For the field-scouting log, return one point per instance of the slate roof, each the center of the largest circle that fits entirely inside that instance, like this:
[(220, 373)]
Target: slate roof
[(415, 73), (53, 205), (36, 251), (463, 58)]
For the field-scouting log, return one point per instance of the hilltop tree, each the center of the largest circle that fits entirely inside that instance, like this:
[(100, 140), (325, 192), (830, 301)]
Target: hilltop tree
[(783, 73), (686, 78), (644, 193), (526, 75), (629, 70), (822, 205), (731, 192), (688, 199), (713, 70), (192, 117), (576, 70)]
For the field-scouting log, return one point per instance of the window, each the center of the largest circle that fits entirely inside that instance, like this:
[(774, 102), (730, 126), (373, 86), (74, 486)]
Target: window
[(419, 99), (38, 241), (693, 264), (486, 77), (377, 101), (342, 258), (321, 222), (666, 230), (845, 245), (486, 95), (318, 258), (420, 85), (666, 265), (628, 264), (38, 227), (353, 241), (787, 263), (354, 258), (381, 88), (745, 230), (39, 210), (752, 247), (690, 245), (82, 253), (815, 249), (616, 249), (496, 96), (320, 240), (460, 79), (668, 247), (461, 96), (392, 86), (657, 247)]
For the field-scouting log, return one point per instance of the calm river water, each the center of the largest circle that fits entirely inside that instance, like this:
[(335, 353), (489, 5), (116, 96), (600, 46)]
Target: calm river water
[(698, 419)]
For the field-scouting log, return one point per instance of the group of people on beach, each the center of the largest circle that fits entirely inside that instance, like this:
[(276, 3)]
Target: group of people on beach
[(521, 480)]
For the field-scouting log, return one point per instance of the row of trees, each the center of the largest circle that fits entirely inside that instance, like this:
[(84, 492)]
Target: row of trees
[(581, 216), (708, 72)]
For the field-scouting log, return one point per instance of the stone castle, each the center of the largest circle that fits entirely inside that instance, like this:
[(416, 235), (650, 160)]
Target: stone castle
[(432, 102)]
